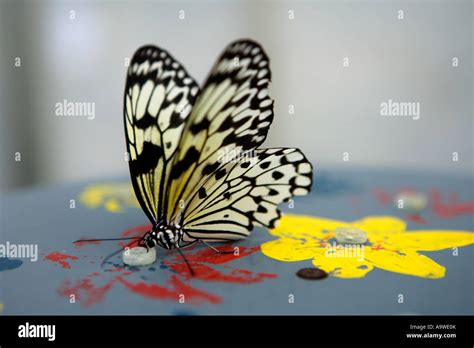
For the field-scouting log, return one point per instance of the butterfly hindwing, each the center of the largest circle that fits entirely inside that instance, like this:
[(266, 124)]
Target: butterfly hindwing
[(232, 115), (246, 192), (159, 95)]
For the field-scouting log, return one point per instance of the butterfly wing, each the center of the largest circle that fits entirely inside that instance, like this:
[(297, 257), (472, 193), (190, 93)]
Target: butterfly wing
[(245, 192), (159, 95), (232, 114)]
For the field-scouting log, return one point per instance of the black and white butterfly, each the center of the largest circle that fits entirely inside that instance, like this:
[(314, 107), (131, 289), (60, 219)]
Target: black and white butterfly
[(195, 162)]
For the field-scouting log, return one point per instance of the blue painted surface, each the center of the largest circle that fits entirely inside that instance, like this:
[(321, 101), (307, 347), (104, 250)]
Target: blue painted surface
[(33, 288)]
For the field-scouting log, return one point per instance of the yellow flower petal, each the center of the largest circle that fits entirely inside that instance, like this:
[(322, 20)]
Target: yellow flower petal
[(392, 248), (342, 267), (431, 240), (288, 249), (114, 197), (378, 228), (405, 262), (113, 205)]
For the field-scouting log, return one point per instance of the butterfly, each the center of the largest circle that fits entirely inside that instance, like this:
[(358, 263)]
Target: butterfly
[(195, 163)]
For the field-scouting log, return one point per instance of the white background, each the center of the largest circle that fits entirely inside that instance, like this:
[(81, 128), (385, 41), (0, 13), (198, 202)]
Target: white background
[(337, 109)]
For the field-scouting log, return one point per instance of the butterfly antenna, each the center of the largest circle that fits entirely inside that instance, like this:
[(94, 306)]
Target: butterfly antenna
[(114, 253), (185, 260), (104, 239)]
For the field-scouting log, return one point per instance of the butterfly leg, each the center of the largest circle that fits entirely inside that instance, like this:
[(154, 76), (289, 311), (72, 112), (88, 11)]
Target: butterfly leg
[(185, 259), (217, 251)]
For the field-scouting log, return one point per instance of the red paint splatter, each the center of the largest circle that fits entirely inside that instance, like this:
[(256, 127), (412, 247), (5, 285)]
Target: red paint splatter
[(207, 273), (451, 209), (382, 196), (177, 288), (416, 218), (86, 291), (60, 258), (210, 256), (201, 260)]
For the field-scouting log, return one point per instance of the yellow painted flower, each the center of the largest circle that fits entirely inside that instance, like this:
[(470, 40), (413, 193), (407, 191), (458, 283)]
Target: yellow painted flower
[(114, 197), (390, 247)]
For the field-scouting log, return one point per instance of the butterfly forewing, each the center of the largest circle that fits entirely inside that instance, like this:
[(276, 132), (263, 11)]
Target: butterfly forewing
[(232, 115), (159, 95)]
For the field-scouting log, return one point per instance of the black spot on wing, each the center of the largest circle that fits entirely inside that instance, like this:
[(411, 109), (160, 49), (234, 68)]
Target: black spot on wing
[(200, 126), (189, 159), (175, 120), (272, 192), (202, 193), (210, 168), (277, 175), (147, 160), (145, 122), (220, 174)]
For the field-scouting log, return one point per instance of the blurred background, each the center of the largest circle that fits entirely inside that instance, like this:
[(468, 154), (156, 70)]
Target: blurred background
[(333, 64)]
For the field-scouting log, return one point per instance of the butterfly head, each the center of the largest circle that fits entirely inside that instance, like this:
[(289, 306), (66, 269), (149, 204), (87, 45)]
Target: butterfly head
[(165, 236), (147, 240)]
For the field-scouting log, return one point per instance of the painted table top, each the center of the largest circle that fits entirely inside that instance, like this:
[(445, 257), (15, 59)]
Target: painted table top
[(411, 264)]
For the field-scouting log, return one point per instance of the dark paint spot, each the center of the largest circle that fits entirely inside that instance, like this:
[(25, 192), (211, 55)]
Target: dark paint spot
[(311, 273), (7, 264)]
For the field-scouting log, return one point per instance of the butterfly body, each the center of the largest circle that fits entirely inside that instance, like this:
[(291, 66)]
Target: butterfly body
[(166, 236)]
